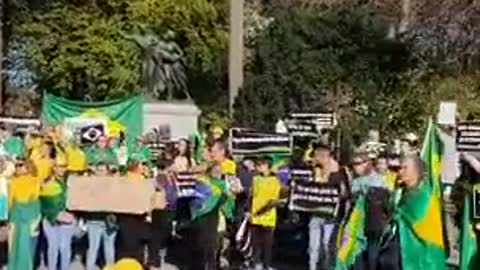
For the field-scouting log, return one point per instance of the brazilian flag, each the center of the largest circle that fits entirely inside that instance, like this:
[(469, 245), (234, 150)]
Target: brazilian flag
[(352, 241), (469, 259), (419, 215), (211, 195)]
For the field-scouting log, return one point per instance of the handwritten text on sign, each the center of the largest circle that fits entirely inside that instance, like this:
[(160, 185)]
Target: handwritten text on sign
[(468, 136), (309, 196)]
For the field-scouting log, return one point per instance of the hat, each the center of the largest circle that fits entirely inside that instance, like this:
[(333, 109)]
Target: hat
[(410, 137), (360, 156), (217, 131), (125, 264)]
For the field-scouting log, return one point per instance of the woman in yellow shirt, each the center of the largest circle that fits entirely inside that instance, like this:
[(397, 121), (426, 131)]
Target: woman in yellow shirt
[(24, 216)]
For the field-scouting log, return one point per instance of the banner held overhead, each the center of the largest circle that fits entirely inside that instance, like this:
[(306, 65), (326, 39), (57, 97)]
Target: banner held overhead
[(119, 115)]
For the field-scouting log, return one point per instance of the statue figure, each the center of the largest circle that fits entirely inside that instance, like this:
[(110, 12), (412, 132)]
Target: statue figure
[(164, 62)]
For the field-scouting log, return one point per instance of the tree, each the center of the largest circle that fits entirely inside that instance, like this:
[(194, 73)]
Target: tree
[(76, 48), (350, 67)]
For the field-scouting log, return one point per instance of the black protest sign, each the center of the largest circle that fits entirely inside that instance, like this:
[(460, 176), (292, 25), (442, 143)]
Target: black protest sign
[(306, 195), (309, 124), (468, 136), (186, 184), (476, 201), (251, 142)]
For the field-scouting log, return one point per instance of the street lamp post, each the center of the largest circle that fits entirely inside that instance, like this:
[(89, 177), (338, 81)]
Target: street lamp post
[(235, 63)]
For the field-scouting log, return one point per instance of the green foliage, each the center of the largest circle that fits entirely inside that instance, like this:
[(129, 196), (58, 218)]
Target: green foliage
[(332, 55), (77, 46), (311, 60)]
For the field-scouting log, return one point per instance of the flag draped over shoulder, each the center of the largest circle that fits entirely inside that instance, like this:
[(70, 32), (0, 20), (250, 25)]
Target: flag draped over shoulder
[(419, 214), (352, 240), (120, 115), (211, 194), (469, 259)]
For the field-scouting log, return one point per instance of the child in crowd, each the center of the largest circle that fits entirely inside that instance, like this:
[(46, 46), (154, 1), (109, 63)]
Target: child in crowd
[(266, 191)]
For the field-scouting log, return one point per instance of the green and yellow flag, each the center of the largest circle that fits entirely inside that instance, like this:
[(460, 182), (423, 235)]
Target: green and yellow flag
[(420, 221), (352, 240), (469, 259), (121, 115)]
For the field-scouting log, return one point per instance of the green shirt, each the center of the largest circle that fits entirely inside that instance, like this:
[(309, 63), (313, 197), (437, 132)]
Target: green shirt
[(96, 155), (53, 198)]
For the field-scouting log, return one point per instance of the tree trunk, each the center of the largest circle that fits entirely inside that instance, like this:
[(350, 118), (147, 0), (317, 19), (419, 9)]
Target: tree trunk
[(405, 20)]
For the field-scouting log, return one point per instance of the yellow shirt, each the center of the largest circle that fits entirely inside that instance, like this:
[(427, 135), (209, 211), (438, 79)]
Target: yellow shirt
[(135, 176), (390, 178), (229, 167), (76, 159), (24, 188), (44, 167), (33, 143), (265, 189)]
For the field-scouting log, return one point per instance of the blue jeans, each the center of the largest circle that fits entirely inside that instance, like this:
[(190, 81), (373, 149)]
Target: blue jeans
[(59, 238), (97, 231), (321, 242)]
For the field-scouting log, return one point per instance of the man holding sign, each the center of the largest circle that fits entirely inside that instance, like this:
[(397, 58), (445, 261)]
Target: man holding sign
[(322, 228)]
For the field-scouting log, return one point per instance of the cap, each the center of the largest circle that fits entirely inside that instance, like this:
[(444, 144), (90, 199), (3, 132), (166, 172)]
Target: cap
[(125, 264), (217, 130), (360, 156), (410, 137)]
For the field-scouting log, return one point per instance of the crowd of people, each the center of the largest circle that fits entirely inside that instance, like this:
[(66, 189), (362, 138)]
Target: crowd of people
[(35, 168)]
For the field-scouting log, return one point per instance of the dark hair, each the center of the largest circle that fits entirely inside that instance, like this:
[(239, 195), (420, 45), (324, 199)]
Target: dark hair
[(133, 165), (171, 149), (164, 161), (196, 144), (322, 147), (52, 150), (121, 138), (264, 160), (382, 156), (221, 144), (188, 152)]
